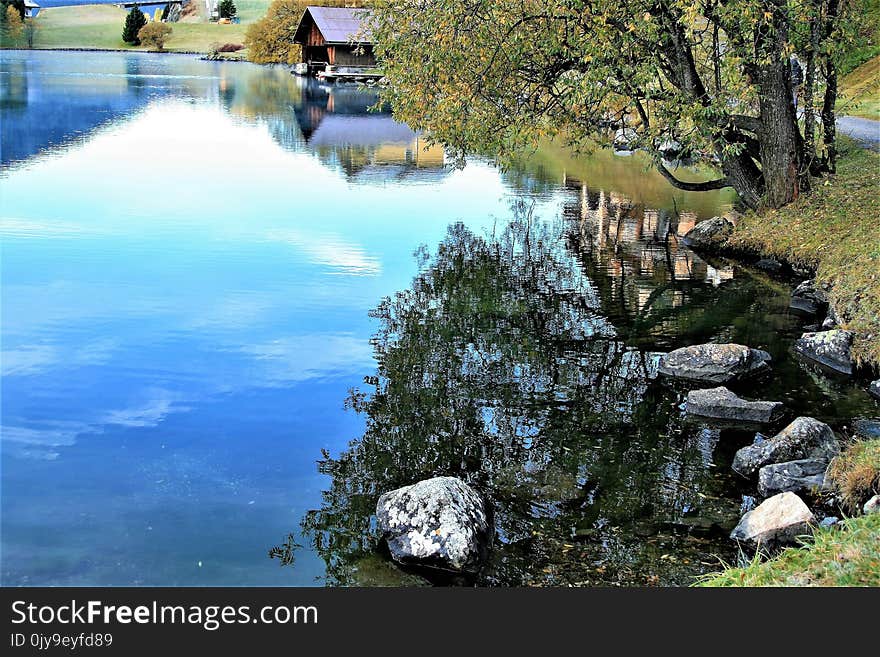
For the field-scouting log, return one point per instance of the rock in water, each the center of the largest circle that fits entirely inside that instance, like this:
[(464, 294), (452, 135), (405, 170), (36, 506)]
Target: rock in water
[(440, 522), (830, 348), (874, 388), (805, 438), (714, 363), (722, 404), (792, 476), (776, 521), (809, 299), (708, 235)]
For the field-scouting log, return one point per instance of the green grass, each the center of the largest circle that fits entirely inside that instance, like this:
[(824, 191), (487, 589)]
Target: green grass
[(100, 27), (855, 474), (834, 231), (860, 91), (848, 555)]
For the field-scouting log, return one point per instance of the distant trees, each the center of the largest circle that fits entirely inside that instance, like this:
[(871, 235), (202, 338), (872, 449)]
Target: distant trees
[(270, 39), (227, 9), (134, 21), (19, 7), (13, 26), (154, 35)]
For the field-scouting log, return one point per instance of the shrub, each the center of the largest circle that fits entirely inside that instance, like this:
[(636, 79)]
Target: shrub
[(230, 47), (154, 35), (134, 21)]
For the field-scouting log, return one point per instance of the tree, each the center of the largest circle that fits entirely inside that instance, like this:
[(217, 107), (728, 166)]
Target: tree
[(30, 32), (713, 76), (134, 21), (18, 4), (13, 26), (227, 9), (154, 35)]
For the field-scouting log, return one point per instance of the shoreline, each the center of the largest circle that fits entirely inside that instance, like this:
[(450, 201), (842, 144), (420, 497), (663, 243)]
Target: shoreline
[(203, 55)]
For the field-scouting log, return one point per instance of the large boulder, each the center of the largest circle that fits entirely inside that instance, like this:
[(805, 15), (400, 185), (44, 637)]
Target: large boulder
[(809, 299), (440, 523), (709, 235), (829, 348), (805, 438), (722, 404), (714, 363), (793, 476), (776, 521)]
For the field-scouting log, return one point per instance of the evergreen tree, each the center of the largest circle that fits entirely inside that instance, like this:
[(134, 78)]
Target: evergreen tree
[(227, 9), (133, 24)]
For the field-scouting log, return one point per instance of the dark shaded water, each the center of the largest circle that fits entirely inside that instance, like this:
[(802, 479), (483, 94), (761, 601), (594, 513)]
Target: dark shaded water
[(204, 264)]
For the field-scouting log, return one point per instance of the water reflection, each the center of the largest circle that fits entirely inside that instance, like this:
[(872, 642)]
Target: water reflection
[(332, 122), (190, 254), (499, 365)]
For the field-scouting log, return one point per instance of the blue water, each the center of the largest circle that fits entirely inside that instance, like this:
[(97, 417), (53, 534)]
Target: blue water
[(190, 254), (186, 284)]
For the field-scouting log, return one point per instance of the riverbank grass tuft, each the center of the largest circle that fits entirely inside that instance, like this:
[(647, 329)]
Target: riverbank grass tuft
[(855, 474), (844, 555), (834, 231)]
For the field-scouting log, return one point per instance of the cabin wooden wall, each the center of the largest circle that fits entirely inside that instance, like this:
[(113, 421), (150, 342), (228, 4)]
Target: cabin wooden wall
[(346, 56)]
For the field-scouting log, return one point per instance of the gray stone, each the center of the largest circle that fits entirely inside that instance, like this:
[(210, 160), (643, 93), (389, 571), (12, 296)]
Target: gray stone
[(714, 363), (872, 505), (829, 348), (829, 521), (831, 320), (874, 388), (722, 404), (440, 522), (769, 265), (709, 234), (809, 299), (778, 520), (805, 438), (794, 476)]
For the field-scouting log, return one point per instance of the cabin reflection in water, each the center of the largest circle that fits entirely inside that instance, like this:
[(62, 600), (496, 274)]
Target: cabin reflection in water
[(338, 125), (638, 247)]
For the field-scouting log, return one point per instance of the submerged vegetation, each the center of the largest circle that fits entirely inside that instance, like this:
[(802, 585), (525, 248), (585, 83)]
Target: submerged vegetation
[(835, 232)]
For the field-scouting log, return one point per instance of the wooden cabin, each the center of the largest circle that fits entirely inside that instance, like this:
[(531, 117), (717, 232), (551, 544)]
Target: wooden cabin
[(335, 39)]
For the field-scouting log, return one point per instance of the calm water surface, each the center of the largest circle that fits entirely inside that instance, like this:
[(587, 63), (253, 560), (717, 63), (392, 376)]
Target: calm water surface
[(236, 307)]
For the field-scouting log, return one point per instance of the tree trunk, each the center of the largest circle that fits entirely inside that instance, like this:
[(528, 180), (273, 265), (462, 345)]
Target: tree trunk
[(781, 145), (809, 87), (828, 115)]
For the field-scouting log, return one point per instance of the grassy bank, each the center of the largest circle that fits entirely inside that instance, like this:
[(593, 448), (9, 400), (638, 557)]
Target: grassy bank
[(844, 555), (860, 91), (834, 231), (100, 27), (848, 555)]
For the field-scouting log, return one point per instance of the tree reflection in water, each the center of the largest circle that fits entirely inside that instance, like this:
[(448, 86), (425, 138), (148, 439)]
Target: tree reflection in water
[(499, 366)]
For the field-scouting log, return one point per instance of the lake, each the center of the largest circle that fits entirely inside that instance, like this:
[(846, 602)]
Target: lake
[(237, 306)]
